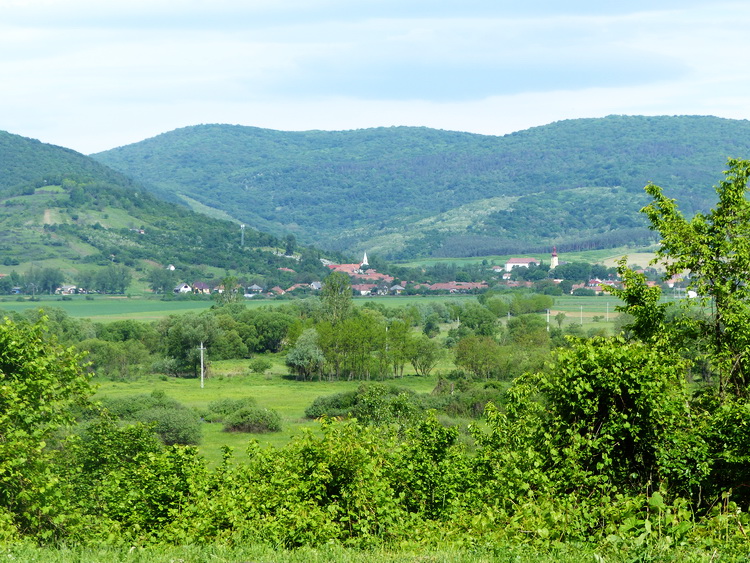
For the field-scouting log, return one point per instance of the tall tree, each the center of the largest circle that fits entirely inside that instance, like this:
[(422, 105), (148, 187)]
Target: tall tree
[(336, 294), (715, 249)]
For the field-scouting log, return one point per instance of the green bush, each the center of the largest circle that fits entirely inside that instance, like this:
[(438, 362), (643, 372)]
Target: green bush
[(173, 426), (465, 398), (219, 410), (260, 365), (126, 408), (172, 422), (253, 419), (370, 404), (336, 405)]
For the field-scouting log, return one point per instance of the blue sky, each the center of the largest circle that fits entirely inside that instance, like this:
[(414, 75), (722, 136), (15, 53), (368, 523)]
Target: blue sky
[(92, 74)]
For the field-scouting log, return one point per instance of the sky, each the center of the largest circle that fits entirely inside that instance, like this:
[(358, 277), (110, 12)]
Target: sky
[(92, 75)]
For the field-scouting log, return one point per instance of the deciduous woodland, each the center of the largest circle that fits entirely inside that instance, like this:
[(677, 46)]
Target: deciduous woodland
[(627, 447)]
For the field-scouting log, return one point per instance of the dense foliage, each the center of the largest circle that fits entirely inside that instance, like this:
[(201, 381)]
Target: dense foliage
[(610, 445)]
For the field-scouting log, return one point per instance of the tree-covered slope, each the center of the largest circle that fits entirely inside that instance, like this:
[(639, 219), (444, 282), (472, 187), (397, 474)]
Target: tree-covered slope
[(64, 209), (416, 191)]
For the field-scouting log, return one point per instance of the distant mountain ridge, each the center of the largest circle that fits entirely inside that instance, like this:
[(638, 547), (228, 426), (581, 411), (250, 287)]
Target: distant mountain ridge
[(403, 192)]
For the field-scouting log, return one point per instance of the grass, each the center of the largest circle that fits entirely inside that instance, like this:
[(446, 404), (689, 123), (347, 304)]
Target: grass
[(480, 551)]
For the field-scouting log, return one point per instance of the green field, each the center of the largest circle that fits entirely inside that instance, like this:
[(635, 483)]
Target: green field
[(105, 308), (114, 308)]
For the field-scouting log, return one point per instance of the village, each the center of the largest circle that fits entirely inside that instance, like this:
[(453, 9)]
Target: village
[(366, 281)]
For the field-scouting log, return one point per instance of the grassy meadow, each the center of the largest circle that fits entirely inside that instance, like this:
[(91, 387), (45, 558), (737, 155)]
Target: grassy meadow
[(275, 390)]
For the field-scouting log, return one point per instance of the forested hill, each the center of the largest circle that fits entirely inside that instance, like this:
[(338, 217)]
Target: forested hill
[(407, 191), (62, 209)]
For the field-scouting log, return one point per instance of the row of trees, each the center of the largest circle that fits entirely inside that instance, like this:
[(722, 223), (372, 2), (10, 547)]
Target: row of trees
[(114, 278)]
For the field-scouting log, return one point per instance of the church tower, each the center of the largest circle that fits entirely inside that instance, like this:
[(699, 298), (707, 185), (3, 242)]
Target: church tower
[(554, 262), (364, 262)]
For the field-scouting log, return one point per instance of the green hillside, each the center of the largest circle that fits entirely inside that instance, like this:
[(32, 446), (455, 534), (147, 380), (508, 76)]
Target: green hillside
[(405, 192), (65, 211)]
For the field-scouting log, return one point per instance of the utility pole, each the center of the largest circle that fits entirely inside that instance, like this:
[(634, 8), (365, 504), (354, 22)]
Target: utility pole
[(547, 320), (202, 350)]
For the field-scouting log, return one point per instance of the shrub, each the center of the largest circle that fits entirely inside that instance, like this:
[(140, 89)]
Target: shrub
[(220, 409), (339, 404), (253, 419), (173, 426), (370, 404), (260, 365), (127, 408), (172, 422)]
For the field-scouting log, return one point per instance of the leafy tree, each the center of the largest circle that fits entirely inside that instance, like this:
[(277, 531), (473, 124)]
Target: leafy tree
[(424, 354), (528, 330), (50, 279), (183, 336), (115, 278), (431, 326), (560, 319), (715, 248), (40, 384), (479, 319), (641, 303), (481, 355), (306, 358), (232, 291), (336, 294), (290, 244), (162, 280)]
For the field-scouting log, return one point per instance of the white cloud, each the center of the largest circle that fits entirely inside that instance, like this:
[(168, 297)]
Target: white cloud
[(92, 75)]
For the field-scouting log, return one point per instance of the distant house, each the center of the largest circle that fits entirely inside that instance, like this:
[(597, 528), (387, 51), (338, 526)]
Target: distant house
[(183, 288), (66, 290), (276, 290), (365, 288), (297, 286), (255, 288), (202, 288), (520, 263), (396, 289), (316, 285)]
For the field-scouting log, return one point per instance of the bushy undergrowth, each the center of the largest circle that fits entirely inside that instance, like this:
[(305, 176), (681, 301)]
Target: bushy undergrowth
[(253, 419), (218, 410), (379, 403), (170, 420)]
